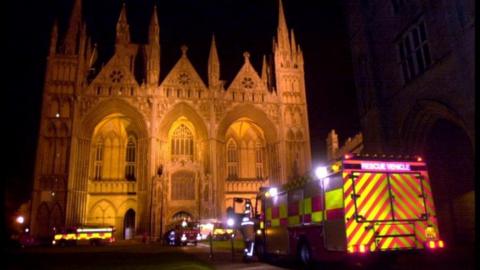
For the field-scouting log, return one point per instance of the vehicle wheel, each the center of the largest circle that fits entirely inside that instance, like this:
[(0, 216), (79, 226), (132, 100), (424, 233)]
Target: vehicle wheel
[(305, 254)]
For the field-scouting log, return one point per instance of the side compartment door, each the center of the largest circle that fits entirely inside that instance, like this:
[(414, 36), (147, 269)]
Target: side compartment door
[(408, 197), (371, 196), (276, 222)]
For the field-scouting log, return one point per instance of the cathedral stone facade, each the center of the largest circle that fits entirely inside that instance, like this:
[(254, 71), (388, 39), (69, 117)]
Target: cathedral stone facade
[(119, 147)]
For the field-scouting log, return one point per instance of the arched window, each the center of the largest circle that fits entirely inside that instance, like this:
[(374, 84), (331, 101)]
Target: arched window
[(98, 160), (130, 159), (232, 160), (182, 143), (259, 161)]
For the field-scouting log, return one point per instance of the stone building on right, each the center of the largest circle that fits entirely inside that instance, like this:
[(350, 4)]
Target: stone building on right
[(413, 63)]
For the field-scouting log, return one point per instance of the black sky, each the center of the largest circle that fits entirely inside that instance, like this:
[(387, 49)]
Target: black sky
[(239, 25)]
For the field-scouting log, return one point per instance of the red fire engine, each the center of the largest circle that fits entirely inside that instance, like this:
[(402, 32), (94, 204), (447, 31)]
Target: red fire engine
[(356, 206)]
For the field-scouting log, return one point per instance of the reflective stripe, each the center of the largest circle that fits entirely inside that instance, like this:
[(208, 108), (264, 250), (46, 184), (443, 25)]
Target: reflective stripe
[(293, 220), (317, 216), (283, 211), (275, 222), (307, 202), (334, 199), (268, 215)]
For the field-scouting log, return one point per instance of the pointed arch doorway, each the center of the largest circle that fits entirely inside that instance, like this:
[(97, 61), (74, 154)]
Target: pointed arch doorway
[(182, 215), (129, 224)]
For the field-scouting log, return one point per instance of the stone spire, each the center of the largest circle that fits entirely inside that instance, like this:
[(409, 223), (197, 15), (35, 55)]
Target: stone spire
[(154, 29), (282, 29), (293, 43), (123, 32), (54, 38), (213, 65), (74, 28), (153, 52), (264, 69)]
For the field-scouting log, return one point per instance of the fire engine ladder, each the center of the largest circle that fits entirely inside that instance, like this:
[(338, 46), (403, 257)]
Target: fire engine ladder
[(397, 235)]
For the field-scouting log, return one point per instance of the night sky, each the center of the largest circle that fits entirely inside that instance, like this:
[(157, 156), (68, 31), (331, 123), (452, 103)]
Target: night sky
[(239, 25)]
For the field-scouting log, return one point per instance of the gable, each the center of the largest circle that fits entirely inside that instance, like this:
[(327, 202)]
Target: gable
[(116, 71), (247, 79), (184, 75)]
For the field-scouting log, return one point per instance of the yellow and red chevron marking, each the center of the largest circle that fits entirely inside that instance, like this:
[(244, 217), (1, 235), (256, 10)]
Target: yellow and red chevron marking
[(408, 202), (355, 232), (396, 236), (372, 193)]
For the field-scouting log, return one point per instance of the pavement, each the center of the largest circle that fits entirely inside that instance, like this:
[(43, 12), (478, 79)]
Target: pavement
[(133, 254)]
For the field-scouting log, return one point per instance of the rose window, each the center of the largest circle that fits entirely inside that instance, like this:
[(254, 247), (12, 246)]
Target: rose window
[(247, 83), (116, 76)]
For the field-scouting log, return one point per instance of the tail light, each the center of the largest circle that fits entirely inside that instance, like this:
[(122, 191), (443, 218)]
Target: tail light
[(441, 244), (431, 244), (357, 249)]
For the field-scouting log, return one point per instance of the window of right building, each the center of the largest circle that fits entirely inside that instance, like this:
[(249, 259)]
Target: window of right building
[(414, 52)]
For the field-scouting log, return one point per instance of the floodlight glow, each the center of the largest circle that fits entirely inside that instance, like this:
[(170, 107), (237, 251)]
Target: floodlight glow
[(321, 172), (273, 192), (230, 222), (184, 223), (20, 219)]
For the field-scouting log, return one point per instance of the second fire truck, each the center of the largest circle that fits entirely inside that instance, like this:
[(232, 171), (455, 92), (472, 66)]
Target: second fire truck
[(357, 206)]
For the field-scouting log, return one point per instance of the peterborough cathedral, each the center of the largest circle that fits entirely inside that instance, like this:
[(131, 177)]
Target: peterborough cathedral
[(119, 147)]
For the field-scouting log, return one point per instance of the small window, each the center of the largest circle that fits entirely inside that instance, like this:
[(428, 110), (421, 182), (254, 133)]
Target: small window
[(414, 52), (98, 161), (130, 159), (232, 160)]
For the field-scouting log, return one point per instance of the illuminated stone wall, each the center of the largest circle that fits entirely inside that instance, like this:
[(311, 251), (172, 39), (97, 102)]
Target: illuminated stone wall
[(113, 143)]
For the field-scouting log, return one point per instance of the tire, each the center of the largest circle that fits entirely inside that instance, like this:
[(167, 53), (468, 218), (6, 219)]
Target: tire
[(305, 254)]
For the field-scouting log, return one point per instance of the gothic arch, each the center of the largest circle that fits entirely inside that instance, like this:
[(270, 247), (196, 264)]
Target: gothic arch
[(54, 107), (102, 212), (109, 107), (182, 109), (127, 204), (56, 217), (258, 116), (419, 121)]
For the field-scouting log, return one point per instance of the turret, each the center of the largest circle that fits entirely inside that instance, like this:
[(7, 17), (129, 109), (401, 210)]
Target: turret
[(264, 70), (71, 42), (53, 39), (153, 51), (123, 31), (332, 144), (213, 65)]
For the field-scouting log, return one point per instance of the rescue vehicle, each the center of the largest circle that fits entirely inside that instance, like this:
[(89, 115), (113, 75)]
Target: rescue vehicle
[(93, 235), (357, 206), (182, 233)]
